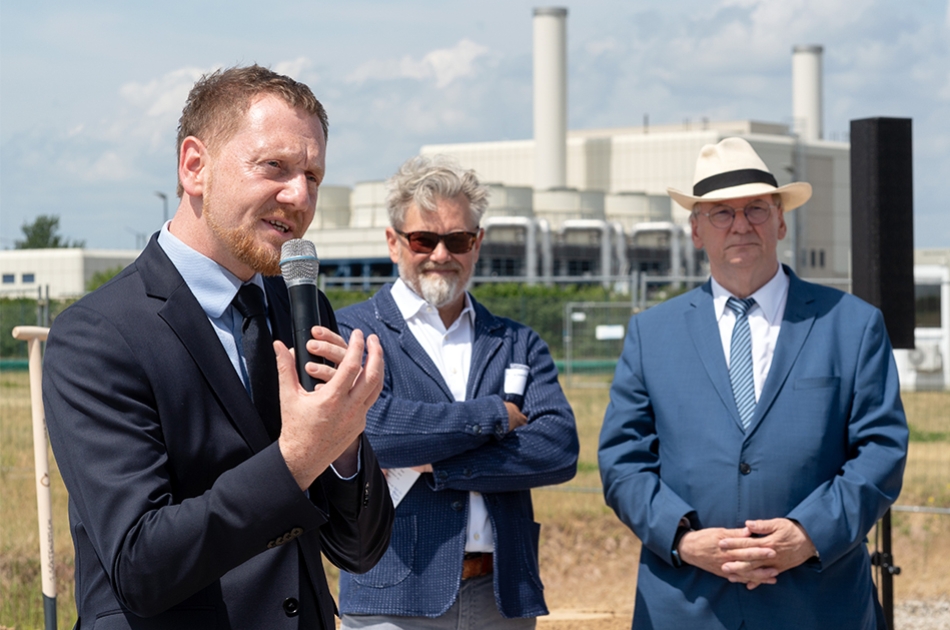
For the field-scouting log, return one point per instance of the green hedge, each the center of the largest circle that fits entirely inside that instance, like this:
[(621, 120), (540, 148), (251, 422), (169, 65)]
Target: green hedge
[(541, 307)]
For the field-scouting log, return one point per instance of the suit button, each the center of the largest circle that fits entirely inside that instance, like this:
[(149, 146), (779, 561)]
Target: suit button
[(457, 505), (467, 472), (744, 468), (476, 429), (291, 606), (442, 474)]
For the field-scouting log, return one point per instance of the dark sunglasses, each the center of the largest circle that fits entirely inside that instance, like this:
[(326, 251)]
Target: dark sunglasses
[(426, 242)]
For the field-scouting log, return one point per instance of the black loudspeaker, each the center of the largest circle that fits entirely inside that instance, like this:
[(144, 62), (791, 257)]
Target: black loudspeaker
[(882, 222)]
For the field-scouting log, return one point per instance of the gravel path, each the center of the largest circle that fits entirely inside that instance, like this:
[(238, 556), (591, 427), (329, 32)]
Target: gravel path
[(931, 614)]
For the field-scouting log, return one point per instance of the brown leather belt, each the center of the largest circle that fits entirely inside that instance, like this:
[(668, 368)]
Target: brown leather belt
[(476, 565)]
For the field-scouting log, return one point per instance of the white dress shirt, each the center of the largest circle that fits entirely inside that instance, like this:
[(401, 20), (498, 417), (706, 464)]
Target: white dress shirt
[(451, 351), (765, 320)]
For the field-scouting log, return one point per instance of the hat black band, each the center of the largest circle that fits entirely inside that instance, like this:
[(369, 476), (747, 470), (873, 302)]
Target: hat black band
[(733, 178)]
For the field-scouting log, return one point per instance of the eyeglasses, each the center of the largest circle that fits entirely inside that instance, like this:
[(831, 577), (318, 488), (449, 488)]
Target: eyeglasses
[(426, 242), (756, 213)]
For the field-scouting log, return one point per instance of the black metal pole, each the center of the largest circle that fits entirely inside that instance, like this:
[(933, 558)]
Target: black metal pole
[(888, 571), (884, 560)]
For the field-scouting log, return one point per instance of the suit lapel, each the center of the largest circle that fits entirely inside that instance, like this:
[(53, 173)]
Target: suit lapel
[(388, 313), (484, 346), (797, 323), (704, 330), (189, 322)]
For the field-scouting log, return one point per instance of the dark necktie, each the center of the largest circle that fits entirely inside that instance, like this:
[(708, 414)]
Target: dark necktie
[(258, 347), (740, 360)]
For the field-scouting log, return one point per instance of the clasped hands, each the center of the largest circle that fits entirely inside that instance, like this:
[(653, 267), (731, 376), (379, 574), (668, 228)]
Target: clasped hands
[(752, 555)]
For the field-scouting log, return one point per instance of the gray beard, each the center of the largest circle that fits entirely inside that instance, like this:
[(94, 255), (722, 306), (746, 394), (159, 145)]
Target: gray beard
[(438, 291)]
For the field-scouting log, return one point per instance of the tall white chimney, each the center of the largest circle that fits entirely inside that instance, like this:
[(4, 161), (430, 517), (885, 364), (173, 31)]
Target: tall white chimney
[(550, 98), (806, 92)]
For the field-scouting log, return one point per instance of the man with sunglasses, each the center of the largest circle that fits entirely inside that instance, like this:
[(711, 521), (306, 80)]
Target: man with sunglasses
[(755, 431), (464, 551)]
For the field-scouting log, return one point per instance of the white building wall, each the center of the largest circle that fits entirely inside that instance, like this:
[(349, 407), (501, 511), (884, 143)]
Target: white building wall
[(333, 208), (368, 205), (509, 201), (350, 243), (629, 209), (841, 194), (509, 162), (65, 270), (652, 162)]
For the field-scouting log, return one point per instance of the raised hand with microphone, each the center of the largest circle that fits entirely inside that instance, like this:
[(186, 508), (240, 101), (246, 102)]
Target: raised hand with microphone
[(299, 266), (326, 392)]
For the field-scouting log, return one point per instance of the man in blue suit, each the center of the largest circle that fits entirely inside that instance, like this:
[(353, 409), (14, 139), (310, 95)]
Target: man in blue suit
[(464, 551), (755, 431), (204, 482)]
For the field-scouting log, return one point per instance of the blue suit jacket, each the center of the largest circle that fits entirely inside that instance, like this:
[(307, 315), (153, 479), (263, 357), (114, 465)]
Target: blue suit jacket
[(826, 447), (417, 421), (183, 512)]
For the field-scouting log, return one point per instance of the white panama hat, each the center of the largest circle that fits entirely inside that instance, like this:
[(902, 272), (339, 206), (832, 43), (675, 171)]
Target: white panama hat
[(733, 170)]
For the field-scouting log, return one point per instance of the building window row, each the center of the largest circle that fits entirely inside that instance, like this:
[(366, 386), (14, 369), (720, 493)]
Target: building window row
[(26, 278), (814, 258)]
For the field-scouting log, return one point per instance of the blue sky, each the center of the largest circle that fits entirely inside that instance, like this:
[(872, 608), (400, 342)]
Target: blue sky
[(90, 92)]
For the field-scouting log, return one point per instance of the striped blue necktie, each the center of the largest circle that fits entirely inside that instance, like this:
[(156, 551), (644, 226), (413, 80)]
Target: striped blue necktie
[(740, 360)]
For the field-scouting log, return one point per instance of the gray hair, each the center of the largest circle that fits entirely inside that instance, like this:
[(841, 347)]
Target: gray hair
[(424, 180)]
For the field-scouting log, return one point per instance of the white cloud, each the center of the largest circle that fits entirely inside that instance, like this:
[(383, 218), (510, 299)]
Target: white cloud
[(162, 96), (445, 65), (295, 68), (601, 46)]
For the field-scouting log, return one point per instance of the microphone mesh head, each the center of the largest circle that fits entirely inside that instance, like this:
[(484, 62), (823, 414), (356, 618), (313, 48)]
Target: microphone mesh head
[(298, 262)]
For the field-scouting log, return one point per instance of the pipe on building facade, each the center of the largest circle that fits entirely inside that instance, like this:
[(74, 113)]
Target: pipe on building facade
[(531, 240)]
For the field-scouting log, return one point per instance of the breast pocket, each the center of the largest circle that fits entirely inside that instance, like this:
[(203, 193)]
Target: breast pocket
[(817, 382), (397, 562)]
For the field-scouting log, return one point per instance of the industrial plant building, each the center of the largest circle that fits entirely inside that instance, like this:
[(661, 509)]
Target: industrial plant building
[(591, 204)]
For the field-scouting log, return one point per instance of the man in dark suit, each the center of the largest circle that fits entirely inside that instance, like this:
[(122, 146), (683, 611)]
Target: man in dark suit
[(203, 480), (464, 553), (751, 444)]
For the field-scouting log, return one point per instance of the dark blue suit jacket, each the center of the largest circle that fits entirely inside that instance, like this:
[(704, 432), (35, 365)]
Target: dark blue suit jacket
[(826, 447), (417, 421), (183, 513)]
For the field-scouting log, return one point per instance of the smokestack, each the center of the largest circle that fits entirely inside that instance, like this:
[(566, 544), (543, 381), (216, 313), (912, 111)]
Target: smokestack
[(806, 92), (550, 98)]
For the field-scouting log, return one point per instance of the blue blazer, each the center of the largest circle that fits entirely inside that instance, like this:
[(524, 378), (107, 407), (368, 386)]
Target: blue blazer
[(417, 421), (183, 512), (826, 447)]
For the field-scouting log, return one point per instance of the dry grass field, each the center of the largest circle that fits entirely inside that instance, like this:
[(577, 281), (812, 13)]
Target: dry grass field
[(588, 559)]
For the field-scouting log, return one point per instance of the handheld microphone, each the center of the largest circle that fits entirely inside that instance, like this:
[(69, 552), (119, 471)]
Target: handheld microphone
[(299, 266)]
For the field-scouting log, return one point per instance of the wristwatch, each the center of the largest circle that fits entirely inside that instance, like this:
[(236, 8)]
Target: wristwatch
[(681, 531)]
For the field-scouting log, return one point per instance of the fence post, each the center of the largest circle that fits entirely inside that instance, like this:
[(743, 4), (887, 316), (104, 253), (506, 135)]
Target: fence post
[(568, 343)]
